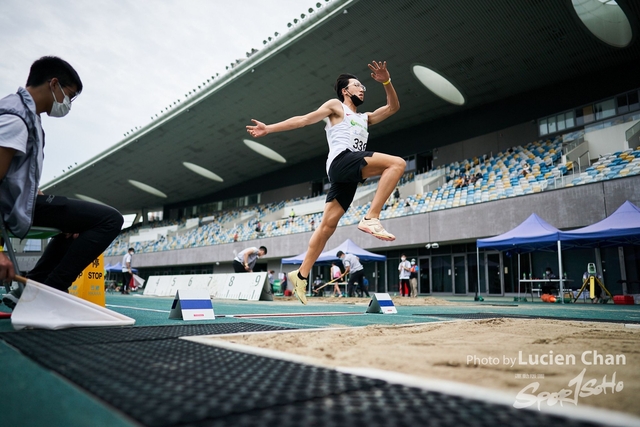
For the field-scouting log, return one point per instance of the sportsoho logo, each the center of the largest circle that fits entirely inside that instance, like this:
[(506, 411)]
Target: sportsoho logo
[(581, 386)]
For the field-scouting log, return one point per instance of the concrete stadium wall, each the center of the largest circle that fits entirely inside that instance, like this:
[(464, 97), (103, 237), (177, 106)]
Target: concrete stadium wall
[(565, 208)]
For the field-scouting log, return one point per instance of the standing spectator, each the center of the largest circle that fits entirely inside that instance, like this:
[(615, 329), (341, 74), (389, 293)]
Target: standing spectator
[(246, 259), (353, 268), (292, 216), (235, 236), (413, 279), (396, 194), (271, 279), (364, 287), (313, 224), (127, 274), (405, 272), (336, 274)]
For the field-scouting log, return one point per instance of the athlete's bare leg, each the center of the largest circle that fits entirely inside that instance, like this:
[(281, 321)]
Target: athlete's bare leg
[(330, 218), (390, 169)]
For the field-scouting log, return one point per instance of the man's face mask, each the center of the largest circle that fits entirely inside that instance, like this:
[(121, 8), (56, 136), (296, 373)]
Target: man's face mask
[(356, 101), (60, 109)]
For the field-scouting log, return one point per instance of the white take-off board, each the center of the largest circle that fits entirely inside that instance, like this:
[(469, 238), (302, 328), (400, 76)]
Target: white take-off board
[(238, 286)]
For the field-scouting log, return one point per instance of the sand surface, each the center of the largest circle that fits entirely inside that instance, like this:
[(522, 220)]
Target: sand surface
[(503, 354)]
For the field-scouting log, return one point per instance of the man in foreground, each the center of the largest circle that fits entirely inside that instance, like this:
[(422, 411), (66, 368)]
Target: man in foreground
[(87, 228)]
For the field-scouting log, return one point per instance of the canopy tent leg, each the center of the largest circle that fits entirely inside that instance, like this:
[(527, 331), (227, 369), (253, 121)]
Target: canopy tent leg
[(560, 272), (518, 276), (477, 298)]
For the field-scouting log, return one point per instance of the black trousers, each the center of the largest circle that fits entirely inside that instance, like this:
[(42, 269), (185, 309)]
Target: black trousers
[(354, 278), (65, 257), (126, 279), (238, 267)]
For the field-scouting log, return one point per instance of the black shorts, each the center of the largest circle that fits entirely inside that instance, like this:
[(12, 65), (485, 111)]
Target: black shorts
[(345, 173)]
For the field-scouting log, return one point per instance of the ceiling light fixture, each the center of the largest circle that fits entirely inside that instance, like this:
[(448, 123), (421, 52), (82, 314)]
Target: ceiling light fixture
[(147, 188), (202, 171), (605, 20), (438, 84), (264, 151)]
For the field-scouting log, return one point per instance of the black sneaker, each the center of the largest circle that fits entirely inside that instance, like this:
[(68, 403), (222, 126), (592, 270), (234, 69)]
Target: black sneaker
[(11, 299)]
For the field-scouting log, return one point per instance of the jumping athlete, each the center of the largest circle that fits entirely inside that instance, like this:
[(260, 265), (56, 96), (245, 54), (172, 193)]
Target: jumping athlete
[(348, 162)]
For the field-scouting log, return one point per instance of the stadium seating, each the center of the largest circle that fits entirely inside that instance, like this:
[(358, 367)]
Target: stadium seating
[(516, 172)]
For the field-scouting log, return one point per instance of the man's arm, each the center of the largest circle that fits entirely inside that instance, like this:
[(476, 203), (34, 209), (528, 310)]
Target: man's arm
[(381, 75), (246, 259), (329, 108), (6, 155), (7, 271)]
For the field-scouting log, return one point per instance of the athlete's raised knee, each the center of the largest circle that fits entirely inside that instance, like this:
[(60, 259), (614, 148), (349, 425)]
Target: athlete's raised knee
[(398, 163)]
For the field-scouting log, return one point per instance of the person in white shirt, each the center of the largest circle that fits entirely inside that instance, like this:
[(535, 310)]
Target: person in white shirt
[(354, 269), (336, 274), (348, 162), (246, 259), (405, 273), (127, 274), (86, 228)]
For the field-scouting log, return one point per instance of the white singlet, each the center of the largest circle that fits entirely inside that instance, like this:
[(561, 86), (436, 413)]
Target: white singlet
[(350, 134)]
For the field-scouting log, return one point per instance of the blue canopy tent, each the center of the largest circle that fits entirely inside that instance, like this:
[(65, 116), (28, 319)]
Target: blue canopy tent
[(531, 235), (116, 268), (329, 256), (620, 228)]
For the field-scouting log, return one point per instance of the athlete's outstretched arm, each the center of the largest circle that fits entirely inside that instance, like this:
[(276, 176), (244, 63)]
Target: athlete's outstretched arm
[(327, 109), (381, 75)]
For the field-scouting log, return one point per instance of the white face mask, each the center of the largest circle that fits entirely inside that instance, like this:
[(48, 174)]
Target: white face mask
[(60, 109), (403, 259)]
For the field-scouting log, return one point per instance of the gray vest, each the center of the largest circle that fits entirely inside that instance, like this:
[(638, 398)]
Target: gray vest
[(19, 188)]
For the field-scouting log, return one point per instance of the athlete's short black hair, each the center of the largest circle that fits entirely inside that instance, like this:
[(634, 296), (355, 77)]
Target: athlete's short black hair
[(341, 82), (48, 67), (339, 254), (264, 249)]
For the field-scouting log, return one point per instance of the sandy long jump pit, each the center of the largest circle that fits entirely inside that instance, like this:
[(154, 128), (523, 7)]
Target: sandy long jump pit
[(561, 363)]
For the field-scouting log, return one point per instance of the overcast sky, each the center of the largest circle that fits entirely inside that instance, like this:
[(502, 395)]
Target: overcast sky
[(135, 57)]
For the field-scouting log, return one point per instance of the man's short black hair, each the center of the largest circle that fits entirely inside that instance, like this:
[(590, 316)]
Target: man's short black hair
[(48, 67), (341, 82), (264, 249), (339, 254), (131, 249)]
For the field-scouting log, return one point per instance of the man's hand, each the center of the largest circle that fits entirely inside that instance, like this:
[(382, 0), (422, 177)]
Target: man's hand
[(379, 71), (260, 129), (7, 272)]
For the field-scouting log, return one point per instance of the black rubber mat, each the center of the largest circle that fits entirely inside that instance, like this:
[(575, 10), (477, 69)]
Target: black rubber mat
[(30, 341), (161, 381), (393, 405), (473, 316), (170, 382)]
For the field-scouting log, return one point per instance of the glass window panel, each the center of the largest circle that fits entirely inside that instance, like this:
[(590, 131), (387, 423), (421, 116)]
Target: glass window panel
[(569, 120), (605, 109), (552, 124), (632, 98), (622, 102), (579, 117), (560, 119), (543, 127), (587, 113)]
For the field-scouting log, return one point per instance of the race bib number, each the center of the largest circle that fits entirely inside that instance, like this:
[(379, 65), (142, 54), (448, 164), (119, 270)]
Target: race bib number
[(359, 136)]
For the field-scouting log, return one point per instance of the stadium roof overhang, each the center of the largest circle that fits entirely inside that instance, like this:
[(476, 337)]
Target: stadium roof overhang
[(489, 51)]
